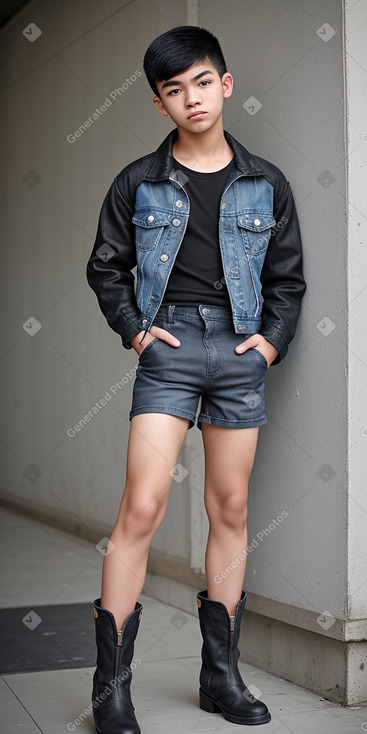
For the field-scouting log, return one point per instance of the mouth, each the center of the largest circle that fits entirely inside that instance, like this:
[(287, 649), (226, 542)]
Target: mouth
[(196, 115)]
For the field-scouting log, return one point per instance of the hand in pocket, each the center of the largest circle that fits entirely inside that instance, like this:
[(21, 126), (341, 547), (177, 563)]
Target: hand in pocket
[(156, 332), (256, 341)]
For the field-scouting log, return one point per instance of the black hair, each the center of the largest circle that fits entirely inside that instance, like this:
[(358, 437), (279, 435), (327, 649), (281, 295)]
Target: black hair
[(179, 48)]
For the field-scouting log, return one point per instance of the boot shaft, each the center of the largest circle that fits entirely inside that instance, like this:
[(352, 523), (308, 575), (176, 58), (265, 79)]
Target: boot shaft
[(115, 648), (113, 710), (220, 652)]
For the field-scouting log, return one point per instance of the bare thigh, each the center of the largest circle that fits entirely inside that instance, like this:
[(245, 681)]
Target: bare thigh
[(155, 441), (229, 458)]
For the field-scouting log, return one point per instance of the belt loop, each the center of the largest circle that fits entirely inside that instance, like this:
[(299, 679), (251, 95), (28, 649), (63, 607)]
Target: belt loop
[(171, 312)]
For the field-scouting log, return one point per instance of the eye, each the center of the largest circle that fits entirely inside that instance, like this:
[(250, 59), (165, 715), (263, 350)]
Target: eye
[(173, 92), (205, 81)]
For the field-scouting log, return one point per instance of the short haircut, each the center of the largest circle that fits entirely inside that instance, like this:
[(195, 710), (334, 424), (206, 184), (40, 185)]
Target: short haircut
[(179, 48)]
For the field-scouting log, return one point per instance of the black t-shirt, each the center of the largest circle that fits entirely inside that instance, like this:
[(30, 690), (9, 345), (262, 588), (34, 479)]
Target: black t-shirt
[(197, 274)]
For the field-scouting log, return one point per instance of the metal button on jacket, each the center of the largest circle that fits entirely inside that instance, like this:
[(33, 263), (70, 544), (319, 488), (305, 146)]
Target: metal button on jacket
[(206, 311), (176, 222), (164, 258), (179, 203), (150, 218), (257, 222)]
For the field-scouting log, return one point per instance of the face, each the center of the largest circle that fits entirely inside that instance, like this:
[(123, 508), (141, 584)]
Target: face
[(194, 99)]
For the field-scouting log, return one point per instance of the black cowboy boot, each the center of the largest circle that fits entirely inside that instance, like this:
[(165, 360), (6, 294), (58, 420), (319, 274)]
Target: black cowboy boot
[(222, 689), (113, 710)]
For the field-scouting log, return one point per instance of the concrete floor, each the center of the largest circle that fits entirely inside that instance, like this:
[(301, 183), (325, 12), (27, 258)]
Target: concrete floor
[(46, 566)]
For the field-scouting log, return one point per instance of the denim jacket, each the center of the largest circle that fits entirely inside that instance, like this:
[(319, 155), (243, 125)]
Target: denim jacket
[(142, 224)]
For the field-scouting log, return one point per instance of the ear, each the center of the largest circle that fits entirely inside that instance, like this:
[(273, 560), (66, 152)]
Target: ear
[(227, 84), (160, 106)]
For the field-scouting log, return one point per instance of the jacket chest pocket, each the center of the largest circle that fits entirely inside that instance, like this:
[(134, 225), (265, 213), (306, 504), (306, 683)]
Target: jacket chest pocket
[(149, 228), (255, 228)]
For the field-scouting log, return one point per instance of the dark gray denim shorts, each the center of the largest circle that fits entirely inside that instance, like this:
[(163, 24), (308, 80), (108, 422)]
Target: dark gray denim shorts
[(172, 379)]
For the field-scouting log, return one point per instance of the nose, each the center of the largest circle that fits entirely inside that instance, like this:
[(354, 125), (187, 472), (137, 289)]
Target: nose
[(192, 99)]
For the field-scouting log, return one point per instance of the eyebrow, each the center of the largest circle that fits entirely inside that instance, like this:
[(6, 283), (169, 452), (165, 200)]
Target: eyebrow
[(177, 83)]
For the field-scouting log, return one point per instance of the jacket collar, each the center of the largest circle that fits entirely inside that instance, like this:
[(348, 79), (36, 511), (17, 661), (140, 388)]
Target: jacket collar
[(161, 164)]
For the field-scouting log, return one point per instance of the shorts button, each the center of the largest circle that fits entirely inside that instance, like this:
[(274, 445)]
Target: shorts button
[(176, 222), (257, 222), (164, 258), (150, 218)]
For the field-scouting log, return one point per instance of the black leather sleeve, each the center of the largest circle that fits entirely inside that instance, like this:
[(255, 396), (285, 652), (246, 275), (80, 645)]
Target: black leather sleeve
[(110, 264), (283, 284)]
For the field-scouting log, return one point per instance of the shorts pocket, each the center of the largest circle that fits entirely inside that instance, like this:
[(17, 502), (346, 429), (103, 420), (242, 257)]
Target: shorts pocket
[(149, 345), (259, 355)]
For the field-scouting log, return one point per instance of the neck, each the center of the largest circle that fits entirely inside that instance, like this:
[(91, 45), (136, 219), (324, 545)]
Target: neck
[(205, 150)]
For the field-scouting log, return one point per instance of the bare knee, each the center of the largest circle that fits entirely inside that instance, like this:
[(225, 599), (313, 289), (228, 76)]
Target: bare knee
[(140, 514), (230, 511)]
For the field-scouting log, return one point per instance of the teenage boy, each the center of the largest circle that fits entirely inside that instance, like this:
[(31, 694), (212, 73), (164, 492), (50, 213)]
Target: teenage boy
[(213, 231)]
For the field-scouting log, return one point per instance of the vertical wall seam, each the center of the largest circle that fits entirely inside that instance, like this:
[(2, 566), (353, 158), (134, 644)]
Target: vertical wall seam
[(346, 150)]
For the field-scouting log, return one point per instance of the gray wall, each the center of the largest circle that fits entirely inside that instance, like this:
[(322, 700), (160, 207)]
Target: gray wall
[(52, 379), (277, 57), (356, 91), (50, 201)]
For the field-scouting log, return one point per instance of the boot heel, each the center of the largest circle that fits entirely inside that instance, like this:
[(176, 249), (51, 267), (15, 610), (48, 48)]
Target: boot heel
[(207, 704)]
